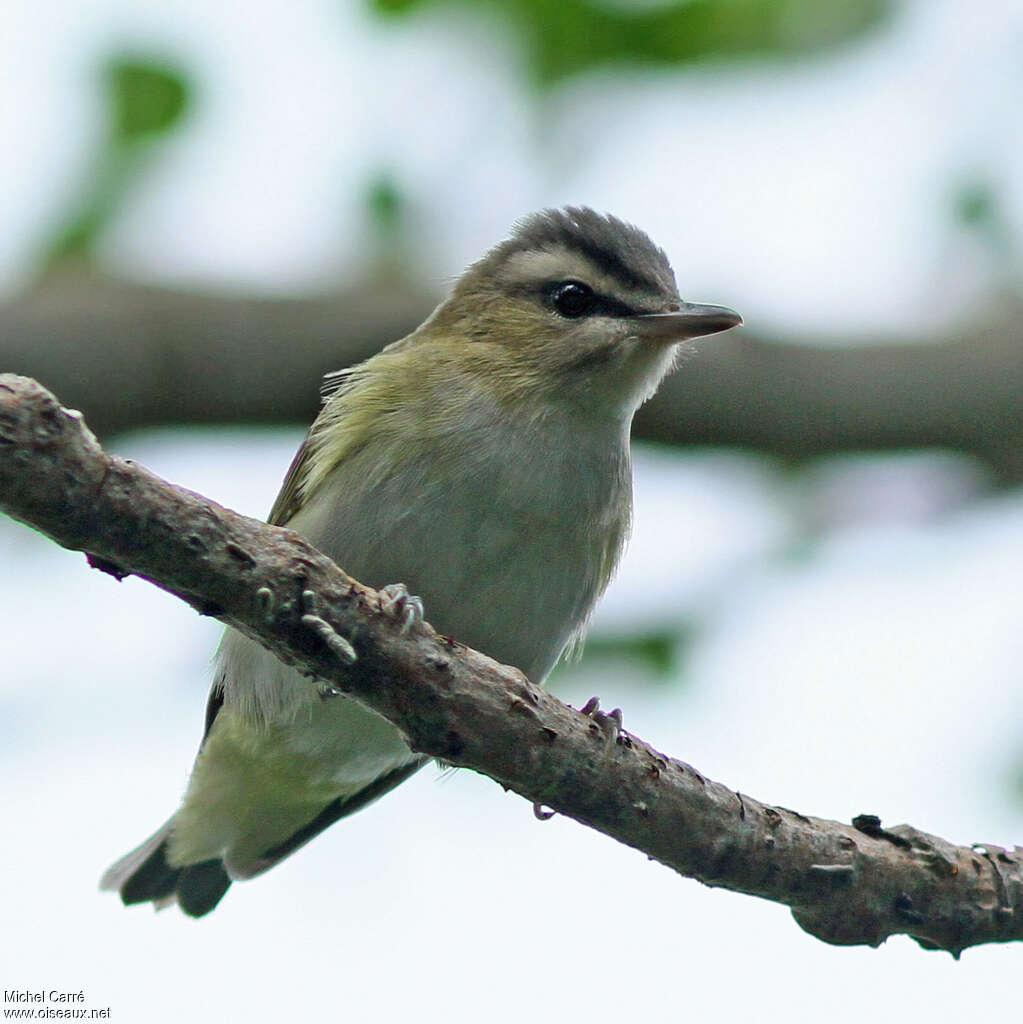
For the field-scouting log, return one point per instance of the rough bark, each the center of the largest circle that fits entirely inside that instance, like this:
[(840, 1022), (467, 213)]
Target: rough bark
[(845, 884)]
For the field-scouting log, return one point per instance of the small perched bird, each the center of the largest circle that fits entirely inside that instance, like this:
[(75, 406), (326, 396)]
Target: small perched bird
[(483, 461)]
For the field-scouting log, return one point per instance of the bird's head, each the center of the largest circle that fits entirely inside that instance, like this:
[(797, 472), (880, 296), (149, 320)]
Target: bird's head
[(576, 303)]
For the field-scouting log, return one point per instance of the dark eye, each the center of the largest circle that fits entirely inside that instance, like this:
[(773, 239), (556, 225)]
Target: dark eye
[(573, 299)]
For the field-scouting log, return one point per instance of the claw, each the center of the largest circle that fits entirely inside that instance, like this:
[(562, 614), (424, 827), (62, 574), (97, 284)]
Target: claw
[(339, 646), (265, 599), (396, 601), (609, 723)]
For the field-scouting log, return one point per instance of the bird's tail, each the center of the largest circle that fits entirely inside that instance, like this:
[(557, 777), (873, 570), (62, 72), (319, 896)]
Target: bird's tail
[(145, 875)]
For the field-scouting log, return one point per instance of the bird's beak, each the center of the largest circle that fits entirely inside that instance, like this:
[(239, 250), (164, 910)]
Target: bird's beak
[(691, 321)]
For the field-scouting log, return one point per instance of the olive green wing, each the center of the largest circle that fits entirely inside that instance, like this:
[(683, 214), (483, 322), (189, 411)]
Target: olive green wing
[(287, 502)]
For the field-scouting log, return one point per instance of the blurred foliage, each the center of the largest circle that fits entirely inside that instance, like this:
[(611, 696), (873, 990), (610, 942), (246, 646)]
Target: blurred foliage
[(145, 100), (569, 37), (388, 211), (385, 205), (657, 653), (977, 204)]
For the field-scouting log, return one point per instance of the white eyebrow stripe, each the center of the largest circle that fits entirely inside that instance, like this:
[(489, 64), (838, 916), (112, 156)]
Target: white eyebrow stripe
[(531, 267)]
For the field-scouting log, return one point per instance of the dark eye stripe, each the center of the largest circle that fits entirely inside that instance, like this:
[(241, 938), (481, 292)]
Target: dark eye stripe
[(606, 306), (601, 305)]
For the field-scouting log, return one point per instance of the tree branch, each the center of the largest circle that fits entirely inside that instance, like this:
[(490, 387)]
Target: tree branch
[(845, 884)]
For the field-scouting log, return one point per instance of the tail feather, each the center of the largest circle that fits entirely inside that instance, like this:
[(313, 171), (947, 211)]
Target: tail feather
[(145, 875)]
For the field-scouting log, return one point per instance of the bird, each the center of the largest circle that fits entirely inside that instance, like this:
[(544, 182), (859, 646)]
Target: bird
[(481, 464)]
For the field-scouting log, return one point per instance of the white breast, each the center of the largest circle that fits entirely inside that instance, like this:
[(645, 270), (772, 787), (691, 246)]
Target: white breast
[(506, 540)]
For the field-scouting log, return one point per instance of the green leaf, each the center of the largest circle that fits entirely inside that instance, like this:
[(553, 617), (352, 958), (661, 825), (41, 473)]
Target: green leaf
[(569, 37), (385, 205), (658, 651), (145, 98), (977, 205), (387, 7)]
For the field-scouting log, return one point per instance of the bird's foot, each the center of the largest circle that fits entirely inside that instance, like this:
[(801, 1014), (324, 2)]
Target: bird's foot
[(398, 603), (339, 646), (609, 723)]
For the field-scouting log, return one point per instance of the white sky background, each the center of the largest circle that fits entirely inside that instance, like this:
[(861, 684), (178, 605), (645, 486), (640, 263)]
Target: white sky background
[(877, 671)]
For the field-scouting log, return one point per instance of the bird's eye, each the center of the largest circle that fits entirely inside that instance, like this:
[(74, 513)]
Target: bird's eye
[(573, 299)]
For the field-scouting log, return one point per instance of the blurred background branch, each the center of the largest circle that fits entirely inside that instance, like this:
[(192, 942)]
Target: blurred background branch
[(133, 355)]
